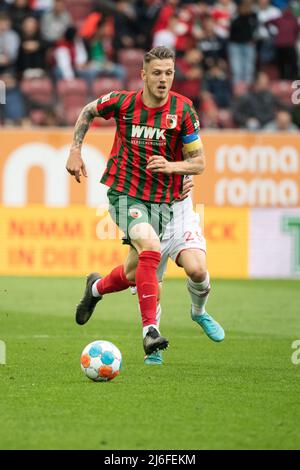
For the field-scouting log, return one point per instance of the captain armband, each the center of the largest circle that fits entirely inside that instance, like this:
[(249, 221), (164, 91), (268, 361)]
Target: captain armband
[(192, 142)]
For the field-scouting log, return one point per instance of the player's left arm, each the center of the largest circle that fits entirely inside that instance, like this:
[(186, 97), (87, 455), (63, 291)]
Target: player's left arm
[(193, 162)]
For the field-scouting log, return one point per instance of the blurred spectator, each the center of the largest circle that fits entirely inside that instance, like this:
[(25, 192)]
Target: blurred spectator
[(9, 44), (281, 4), (125, 25), (256, 108), (18, 11), (70, 55), (210, 44), (170, 8), (189, 73), (13, 111), (208, 111), (41, 6), (184, 31), (218, 85), (242, 52), (223, 12), (72, 59), (55, 22), (31, 57), (202, 33), (285, 41), (282, 122), (3, 6), (295, 6), (98, 57), (166, 37), (147, 12), (266, 48)]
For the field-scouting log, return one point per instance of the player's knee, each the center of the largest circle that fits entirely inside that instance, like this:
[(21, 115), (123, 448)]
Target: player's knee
[(197, 273)]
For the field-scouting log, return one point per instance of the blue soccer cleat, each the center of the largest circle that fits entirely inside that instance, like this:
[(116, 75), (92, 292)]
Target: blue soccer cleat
[(212, 328), (154, 359)]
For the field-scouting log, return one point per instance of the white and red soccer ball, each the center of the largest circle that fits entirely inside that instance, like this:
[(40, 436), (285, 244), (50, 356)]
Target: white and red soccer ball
[(101, 361)]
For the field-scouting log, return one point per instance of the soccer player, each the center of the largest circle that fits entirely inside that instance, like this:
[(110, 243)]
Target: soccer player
[(185, 244), (155, 129)]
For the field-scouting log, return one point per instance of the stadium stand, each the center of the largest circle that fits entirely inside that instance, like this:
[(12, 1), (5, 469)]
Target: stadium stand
[(98, 46)]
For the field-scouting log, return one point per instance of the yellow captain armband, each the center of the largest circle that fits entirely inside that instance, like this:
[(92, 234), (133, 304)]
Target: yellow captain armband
[(191, 142)]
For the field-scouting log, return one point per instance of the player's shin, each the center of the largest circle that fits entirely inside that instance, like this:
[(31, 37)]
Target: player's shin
[(199, 292), (114, 282), (147, 287)]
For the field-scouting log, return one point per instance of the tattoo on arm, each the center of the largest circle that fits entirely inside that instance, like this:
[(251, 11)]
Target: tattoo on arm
[(83, 123), (189, 156)]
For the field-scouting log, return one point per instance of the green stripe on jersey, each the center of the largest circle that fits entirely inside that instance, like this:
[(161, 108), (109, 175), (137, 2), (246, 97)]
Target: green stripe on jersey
[(143, 158), (169, 137), (129, 156), (157, 123)]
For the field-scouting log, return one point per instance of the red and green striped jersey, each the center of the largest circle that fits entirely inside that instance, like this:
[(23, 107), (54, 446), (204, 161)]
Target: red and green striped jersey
[(142, 132)]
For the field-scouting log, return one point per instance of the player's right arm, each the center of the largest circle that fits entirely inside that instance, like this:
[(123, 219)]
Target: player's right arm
[(75, 165), (104, 107)]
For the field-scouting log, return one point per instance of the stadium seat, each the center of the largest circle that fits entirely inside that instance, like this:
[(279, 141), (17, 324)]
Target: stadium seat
[(225, 119), (131, 57), (72, 92), (72, 97), (135, 84), (101, 86), (79, 9), (77, 86), (70, 114), (132, 60), (38, 90)]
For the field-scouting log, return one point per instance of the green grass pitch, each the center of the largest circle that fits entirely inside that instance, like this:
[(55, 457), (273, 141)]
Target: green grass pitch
[(243, 393)]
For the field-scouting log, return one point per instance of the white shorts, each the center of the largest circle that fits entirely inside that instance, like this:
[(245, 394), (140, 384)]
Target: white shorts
[(182, 233)]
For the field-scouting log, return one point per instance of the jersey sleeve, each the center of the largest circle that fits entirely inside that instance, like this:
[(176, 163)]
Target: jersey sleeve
[(108, 104), (190, 123)]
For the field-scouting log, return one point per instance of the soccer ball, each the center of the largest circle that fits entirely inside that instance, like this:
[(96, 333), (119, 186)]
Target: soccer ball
[(101, 361)]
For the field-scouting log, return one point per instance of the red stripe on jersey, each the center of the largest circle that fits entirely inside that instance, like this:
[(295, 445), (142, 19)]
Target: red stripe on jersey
[(137, 146), (122, 127), (160, 176), (105, 102), (149, 180), (136, 173), (178, 149)]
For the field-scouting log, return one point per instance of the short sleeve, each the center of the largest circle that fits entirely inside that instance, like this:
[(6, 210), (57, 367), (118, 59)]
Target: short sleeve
[(190, 123), (107, 104)]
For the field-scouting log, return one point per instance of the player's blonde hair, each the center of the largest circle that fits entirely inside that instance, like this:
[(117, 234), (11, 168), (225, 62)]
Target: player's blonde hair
[(160, 52)]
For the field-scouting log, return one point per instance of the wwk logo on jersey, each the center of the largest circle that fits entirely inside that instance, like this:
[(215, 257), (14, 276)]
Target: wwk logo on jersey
[(148, 132), (171, 121), (135, 213)]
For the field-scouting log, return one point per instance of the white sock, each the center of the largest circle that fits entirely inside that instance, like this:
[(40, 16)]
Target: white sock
[(95, 291), (158, 314), (199, 292)]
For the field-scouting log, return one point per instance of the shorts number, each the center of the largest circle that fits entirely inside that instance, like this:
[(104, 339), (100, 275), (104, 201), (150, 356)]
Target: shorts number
[(191, 236)]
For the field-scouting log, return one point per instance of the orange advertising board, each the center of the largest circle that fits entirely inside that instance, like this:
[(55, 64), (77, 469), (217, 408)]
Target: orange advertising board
[(250, 169), (243, 169), (38, 240)]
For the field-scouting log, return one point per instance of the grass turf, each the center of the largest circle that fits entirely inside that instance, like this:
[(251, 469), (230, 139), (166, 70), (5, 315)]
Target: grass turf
[(240, 394)]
